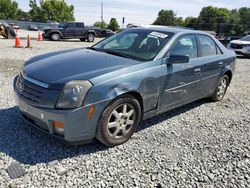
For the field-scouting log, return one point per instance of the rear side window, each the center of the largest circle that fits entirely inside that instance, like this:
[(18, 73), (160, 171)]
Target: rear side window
[(79, 25), (185, 46), (207, 46)]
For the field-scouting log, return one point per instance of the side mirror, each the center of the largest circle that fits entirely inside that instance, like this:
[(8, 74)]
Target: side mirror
[(178, 59)]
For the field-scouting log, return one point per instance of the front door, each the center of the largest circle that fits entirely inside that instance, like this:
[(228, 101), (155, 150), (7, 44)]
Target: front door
[(69, 30), (180, 82)]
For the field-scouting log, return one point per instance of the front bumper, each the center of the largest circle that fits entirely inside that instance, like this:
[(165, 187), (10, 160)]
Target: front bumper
[(78, 128)]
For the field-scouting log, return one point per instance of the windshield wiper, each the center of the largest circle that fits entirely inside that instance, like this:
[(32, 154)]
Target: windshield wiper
[(115, 53)]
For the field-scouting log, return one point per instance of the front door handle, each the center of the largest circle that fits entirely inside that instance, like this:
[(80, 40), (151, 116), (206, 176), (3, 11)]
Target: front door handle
[(197, 71), (220, 64)]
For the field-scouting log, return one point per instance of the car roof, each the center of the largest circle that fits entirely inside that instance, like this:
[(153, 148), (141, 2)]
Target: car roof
[(171, 29)]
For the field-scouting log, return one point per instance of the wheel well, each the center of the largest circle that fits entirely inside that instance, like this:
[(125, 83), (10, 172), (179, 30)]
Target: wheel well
[(138, 97), (229, 74), (92, 33)]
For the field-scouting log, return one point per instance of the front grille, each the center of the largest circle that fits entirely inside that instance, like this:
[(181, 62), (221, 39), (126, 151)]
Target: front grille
[(29, 91), (236, 46)]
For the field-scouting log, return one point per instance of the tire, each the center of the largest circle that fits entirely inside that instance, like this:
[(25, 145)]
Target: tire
[(118, 123), (55, 37), (82, 39), (90, 37), (221, 89)]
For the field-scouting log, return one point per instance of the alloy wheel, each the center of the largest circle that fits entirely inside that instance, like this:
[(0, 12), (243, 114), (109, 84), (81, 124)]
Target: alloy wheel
[(121, 121), (222, 88)]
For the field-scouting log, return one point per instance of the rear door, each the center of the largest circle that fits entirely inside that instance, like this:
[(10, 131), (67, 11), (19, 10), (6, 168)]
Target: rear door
[(212, 60), (69, 30), (80, 31), (181, 82)]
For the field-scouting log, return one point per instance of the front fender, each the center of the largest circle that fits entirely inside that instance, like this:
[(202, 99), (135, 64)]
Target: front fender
[(143, 79), (55, 31)]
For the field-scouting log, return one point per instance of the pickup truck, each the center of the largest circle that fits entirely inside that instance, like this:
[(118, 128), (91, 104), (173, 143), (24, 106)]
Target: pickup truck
[(70, 30)]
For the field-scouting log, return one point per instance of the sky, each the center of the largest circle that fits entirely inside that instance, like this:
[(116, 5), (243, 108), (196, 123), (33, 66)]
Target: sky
[(139, 11)]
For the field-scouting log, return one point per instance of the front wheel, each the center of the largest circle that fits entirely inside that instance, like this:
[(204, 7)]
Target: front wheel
[(119, 121), (221, 89)]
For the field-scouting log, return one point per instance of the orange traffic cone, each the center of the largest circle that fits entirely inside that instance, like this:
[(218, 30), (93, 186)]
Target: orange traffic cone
[(28, 42), (39, 38), (17, 41)]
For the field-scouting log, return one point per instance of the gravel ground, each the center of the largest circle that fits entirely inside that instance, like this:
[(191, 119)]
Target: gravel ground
[(199, 145)]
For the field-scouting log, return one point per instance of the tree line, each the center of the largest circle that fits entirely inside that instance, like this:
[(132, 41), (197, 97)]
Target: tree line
[(221, 20)]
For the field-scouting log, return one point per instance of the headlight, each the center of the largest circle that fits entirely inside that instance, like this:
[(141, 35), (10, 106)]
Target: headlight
[(73, 94)]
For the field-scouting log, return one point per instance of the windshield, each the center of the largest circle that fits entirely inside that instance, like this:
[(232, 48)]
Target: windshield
[(246, 38), (138, 44), (61, 25)]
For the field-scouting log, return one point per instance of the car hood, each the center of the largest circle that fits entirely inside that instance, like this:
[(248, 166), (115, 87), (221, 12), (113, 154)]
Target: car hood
[(240, 42), (57, 68)]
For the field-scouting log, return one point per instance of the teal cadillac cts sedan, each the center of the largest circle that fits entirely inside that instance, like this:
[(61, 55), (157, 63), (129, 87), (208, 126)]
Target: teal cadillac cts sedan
[(105, 91)]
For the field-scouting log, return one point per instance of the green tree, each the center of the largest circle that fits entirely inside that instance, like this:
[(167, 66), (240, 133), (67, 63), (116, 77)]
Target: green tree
[(168, 17), (100, 24), (213, 18), (8, 9), (23, 15), (113, 25), (51, 10), (35, 11), (192, 22), (244, 15)]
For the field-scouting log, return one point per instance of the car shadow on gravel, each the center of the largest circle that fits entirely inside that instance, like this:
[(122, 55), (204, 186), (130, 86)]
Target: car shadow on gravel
[(170, 114), (28, 146)]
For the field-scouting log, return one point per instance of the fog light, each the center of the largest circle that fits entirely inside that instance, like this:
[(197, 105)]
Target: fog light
[(58, 127)]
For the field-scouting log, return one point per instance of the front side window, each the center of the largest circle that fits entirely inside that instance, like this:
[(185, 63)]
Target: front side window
[(185, 46), (79, 25), (139, 44), (207, 45), (69, 25)]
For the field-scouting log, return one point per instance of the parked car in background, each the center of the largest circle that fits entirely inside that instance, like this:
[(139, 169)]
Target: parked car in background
[(105, 91), (6, 30), (109, 33), (102, 32), (33, 27), (14, 25), (70, 30), (241, 46)]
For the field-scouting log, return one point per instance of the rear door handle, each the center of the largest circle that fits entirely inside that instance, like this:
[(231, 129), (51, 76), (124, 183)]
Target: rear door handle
[(220, 64), (197, 71)]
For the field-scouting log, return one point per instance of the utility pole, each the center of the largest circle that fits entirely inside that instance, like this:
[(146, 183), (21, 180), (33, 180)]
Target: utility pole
[(102, 12)]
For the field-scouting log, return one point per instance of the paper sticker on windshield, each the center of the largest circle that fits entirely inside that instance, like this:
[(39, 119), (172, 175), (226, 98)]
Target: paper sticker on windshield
[(160, 35)]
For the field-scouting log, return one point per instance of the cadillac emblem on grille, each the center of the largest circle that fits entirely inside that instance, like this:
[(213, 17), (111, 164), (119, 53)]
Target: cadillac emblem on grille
[(20, 85)]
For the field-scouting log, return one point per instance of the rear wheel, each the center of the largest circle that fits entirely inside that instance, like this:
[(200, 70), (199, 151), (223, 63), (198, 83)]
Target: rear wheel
[(91, 37), (119, 121), (221, 89), (55, 37)]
